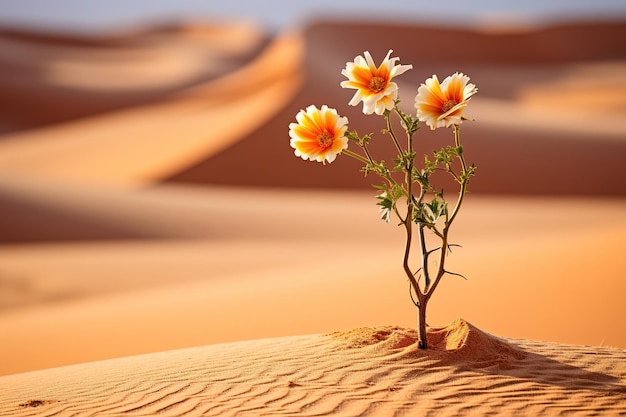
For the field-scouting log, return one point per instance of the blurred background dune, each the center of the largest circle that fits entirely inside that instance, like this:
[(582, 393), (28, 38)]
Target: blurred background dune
[(145, 167)]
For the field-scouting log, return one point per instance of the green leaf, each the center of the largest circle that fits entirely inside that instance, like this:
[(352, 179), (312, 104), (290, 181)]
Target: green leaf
[(429, 213), (387, 199), (386, 205)]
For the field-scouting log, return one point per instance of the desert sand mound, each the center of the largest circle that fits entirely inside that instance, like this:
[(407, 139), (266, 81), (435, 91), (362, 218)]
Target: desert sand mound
[(360, 372), (459, 342)]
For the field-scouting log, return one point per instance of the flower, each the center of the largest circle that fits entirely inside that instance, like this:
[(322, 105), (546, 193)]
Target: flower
[(319, 134), (373, 85), (443, 105)]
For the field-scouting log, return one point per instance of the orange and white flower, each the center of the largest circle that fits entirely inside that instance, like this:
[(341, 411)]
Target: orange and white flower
[(443, 105), (373, 84), (319, 134)]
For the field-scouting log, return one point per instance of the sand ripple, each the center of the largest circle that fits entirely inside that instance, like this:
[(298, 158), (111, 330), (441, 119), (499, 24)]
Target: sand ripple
[(375, 371)]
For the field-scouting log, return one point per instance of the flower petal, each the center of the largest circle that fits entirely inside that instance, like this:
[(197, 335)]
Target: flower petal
[(443, 104), (373, 84), (319, 134)]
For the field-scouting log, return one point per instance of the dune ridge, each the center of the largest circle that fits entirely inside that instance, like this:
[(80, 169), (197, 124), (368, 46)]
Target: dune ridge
[(537, 92), (149, 140), (236, 109), (99, 72), (382, 375)]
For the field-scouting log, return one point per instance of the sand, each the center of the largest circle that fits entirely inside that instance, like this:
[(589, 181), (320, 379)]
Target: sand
[(367, 371), (193, 271), (163, 251)]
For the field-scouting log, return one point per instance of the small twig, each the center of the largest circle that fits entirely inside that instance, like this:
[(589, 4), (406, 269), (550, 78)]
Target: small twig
[(415, 303), (454, 273)]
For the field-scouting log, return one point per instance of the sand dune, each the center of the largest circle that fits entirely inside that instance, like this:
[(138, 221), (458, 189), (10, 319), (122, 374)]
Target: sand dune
[(368, 371), (237, 116), (139, 145), (53, 77), (195, 267), (525, 110), (149, 202)]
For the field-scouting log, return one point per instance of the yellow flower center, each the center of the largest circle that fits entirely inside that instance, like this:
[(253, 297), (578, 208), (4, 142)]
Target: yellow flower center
[(377, 84), (325, 139), (448, 104)]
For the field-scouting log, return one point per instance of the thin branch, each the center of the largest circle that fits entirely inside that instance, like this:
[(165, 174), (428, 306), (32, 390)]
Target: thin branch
[(456, 274), (391, 132), (415, 303), (355, 156)]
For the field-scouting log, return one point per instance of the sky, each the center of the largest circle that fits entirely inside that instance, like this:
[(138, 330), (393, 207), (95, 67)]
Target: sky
[(278, 14)]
